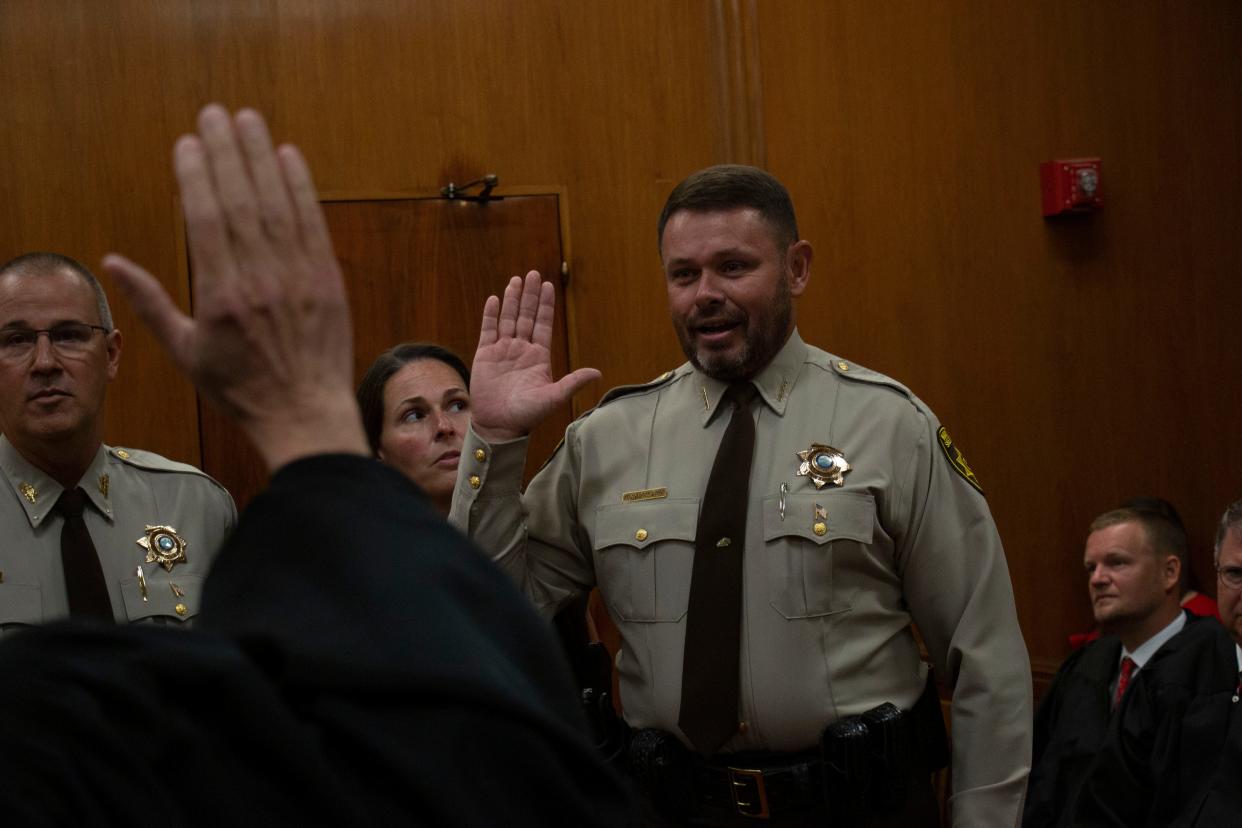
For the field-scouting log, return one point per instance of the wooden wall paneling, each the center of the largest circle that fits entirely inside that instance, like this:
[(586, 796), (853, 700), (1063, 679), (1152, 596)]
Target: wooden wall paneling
[(90, 115), (613, 102), (420, 269), (1077, 362), (737, 82)]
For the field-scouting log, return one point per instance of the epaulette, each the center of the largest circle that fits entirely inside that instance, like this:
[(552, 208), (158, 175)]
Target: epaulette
[(612, 394), (627, 390), (150, 461), (850, 371), (854, 371)]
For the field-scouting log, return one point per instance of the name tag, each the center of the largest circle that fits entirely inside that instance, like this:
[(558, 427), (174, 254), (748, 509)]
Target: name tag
[(645, 494)]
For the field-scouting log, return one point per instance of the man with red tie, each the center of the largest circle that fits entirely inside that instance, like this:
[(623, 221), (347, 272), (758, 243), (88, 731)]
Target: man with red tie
[(1173, 756), (1133, 576)]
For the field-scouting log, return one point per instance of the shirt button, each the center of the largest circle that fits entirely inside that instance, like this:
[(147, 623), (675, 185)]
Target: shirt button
[(743, 727), (475, 482), (480, 455), (640, 535)]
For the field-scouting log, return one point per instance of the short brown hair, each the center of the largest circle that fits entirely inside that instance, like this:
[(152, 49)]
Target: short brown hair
[(1164, 532), (728, 187)]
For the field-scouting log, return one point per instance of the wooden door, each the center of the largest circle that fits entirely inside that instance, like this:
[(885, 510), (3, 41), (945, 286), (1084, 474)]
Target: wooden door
[(420, 269)]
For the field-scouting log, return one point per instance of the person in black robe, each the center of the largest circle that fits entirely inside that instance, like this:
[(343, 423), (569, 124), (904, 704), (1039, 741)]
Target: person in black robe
[(355, 661), (1173, 755), (1132, 559), (1173, 748)]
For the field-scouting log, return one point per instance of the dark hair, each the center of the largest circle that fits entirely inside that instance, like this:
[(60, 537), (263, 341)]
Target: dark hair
[(41, 261), (1163, 526), (728, 187), (371, 389), (1166, 528)]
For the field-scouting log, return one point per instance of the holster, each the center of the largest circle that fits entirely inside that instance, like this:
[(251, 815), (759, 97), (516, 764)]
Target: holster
[(869, 759), (663, 768)]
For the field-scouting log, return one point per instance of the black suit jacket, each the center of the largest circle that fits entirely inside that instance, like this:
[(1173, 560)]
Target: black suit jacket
[(356, 661)]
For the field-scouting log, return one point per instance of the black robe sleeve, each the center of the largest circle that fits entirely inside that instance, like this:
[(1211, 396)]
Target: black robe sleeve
[(355, 661)]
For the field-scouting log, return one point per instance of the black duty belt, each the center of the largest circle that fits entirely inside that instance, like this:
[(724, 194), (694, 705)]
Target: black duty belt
[(864, 765), (761, 786)]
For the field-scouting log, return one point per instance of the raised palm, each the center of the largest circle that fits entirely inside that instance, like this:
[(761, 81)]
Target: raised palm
[(511, 385)]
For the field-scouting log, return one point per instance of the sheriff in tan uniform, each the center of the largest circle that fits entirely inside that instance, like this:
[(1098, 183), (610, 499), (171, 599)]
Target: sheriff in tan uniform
[(154, 524), (896, 531), (139, 502), (834, 578)]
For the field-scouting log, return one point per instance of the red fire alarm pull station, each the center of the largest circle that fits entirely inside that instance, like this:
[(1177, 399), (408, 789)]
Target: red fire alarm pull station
[(1071, 185)]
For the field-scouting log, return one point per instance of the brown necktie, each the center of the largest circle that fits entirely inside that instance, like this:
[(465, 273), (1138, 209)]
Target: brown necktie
[(84, 579), (710, 673), (1123, 680)]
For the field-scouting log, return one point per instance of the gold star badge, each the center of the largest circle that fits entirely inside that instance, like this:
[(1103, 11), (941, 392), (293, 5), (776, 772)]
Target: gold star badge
[(164, 546), (824, 465)]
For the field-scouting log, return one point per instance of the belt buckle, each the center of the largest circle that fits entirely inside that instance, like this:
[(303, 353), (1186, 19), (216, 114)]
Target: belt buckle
[(750, 797)]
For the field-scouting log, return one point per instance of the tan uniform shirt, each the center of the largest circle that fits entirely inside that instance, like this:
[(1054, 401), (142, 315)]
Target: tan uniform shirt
[(826, 614), (128, 490)]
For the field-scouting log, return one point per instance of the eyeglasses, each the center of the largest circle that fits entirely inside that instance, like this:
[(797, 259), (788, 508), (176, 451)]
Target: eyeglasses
[(68, 339), (1231, 575)]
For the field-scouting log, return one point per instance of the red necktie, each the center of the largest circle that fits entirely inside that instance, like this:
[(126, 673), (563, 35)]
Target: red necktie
[(710, 672), (1123, 681)]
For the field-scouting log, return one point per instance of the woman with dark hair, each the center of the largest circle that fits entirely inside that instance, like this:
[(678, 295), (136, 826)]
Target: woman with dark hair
[(415, 401)]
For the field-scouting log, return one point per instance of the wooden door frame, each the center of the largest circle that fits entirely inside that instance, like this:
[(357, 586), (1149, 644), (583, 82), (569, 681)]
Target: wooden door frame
[(561, 193)]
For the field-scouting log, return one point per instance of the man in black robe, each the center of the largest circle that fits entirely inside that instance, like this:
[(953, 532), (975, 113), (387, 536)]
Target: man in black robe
[(356, 661), (1133, 576), (1173, 756)]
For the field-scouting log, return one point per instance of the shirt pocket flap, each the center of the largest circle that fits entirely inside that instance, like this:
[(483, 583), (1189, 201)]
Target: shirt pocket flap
[(21, 604), (820, 517), (638, 525), (161, 600)]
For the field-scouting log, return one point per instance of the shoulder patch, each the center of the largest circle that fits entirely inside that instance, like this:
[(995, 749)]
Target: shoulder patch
[(956, 459)]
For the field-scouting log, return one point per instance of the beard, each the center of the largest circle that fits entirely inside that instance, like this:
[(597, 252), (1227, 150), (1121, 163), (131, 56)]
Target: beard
[(765, 335)]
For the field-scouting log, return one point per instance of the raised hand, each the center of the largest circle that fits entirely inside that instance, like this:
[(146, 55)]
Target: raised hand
[(271, 341), (511, 386)]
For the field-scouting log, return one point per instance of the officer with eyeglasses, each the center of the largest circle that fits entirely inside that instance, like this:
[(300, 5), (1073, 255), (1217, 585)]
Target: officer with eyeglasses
[(1174, 753), (88, 530)]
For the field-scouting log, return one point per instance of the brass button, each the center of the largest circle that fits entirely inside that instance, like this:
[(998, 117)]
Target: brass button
[(181, 609), (820, 529), (480, 455), (475, 482), (723, 542), (843, 365), (640, 535), (122, 453), (743, 727), (664, 376)]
